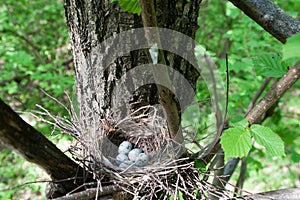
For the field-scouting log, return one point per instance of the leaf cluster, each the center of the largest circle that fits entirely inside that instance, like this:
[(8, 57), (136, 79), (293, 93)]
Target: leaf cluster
[(34, 53), (237, 141)]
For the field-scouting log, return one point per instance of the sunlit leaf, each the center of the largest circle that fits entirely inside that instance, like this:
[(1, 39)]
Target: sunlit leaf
[(131, 6), (291, 48), (236, 142), (267, 138)]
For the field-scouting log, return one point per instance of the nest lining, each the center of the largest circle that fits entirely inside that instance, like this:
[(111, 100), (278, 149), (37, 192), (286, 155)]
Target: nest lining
[(147, 131)]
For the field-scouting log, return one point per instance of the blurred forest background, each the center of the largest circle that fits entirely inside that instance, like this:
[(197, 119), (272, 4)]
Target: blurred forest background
[(35, 56)]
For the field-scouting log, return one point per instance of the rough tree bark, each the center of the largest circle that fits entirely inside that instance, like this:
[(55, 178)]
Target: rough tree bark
[(90, 23), (269, 16), (274, 94)]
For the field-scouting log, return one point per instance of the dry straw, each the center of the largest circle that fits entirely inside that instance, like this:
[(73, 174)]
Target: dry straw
[(170, 173)]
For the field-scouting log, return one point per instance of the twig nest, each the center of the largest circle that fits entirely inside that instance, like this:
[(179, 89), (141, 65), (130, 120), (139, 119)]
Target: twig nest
[(124, 165), (125, 147), (133, 154)]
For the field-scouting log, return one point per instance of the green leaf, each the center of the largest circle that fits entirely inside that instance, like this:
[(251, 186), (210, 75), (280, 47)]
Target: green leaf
[(200, 165), (295, 156), (242, 123), (236, 142), (254, 163), (291, 48), (131, 6), (12, 87), (269, 65), (267, 138)]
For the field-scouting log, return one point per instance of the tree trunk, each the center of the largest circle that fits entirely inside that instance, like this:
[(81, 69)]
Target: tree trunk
[(99, 69), (90, 24)]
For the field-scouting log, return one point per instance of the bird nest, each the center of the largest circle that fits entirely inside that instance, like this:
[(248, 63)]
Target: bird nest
[(147, 131), (169, 173)]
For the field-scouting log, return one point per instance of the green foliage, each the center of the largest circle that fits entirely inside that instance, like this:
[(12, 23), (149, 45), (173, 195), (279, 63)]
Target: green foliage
[(200, 165), (291, 48), (33, 50), (254, 163), (14, 172), (131, 6), (269, 65), (236, 142), (267, 138), (295, 155)]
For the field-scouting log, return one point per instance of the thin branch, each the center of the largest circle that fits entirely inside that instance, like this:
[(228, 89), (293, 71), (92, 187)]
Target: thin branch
[(91, 193), (275, 93), (23, 185), (21, 37), (219, 117), (257, 94), (227, 87), (229, 169), (28, 41), (218, 173), (242, 176), (212, 148), (167, 100), (286, 194)]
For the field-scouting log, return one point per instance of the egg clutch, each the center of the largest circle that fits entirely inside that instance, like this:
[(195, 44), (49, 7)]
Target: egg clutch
[(129, 156)]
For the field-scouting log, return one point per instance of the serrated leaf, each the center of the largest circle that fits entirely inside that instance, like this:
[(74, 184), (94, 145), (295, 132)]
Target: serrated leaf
[(269, 65), (267, 138), (131, 6), (275, 73), (291, 47), (236, 142)]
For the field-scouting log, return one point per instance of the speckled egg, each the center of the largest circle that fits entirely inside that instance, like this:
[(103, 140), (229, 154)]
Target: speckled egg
[(122, 158), (142, 160), (133, 154), (124, 147)]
